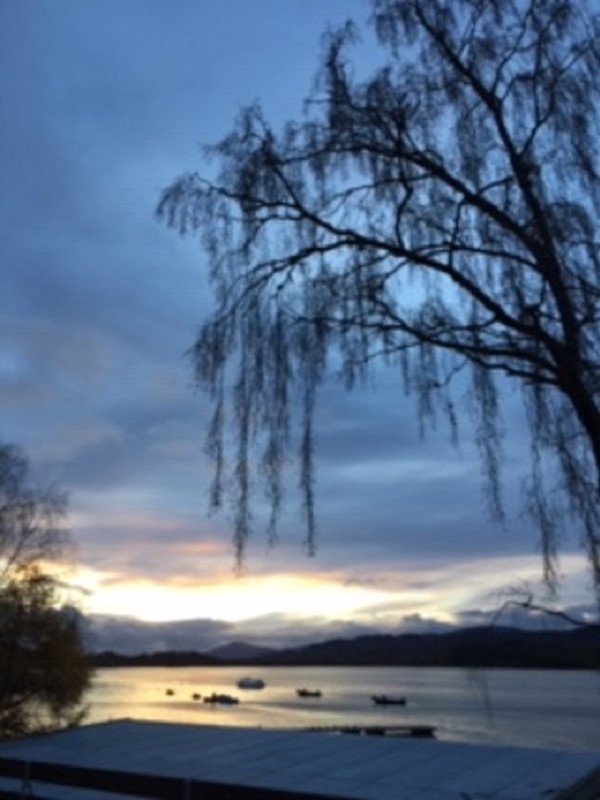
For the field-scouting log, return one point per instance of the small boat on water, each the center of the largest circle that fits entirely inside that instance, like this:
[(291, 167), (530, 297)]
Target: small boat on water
[(251, 683), (387, 700), (308, 692), (223, 699)]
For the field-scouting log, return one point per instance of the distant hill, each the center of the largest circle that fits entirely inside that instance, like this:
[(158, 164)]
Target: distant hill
[(165, 658), (465, 647), (240, 651)]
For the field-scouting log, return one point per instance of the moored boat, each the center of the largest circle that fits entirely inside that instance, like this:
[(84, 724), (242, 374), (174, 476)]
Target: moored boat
[(251, 683), (387, 700), (308, 692), (224, 699)]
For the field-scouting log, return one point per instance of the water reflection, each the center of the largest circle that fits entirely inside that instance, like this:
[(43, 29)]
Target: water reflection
[(526, 708)]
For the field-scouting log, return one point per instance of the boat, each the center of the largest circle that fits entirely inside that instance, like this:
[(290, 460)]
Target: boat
[(223, 699), (251, 683), (387, 700), (308, 692)]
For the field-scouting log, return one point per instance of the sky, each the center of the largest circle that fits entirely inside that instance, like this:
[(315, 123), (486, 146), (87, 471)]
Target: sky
[(103, 105)]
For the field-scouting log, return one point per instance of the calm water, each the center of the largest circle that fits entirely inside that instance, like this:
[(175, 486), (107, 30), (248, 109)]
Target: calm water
[(519, 707)]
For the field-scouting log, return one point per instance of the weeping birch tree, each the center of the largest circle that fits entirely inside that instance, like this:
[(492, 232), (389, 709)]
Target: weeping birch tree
[(441, 215)]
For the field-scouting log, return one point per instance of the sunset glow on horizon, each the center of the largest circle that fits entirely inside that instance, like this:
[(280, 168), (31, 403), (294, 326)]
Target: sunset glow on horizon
[(327, 597)]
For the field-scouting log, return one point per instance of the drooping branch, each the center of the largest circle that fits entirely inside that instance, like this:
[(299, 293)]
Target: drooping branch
[(528, 604), (442, 212)]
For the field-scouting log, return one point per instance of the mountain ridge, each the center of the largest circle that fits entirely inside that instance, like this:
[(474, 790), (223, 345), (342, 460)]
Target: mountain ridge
[(484, 647)]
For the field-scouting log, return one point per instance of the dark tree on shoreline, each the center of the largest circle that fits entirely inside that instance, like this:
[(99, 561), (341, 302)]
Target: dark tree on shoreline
[(44, 670), (440, 216)]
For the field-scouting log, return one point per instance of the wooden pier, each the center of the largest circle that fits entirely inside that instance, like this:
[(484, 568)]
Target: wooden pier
[(403, 731), (124, 759)]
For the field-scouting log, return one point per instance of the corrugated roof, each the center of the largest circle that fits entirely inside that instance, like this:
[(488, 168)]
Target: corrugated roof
[(373, 768)]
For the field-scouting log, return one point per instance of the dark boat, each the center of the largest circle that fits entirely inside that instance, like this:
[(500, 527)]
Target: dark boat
[(386, 700), (224, 699), (251, 683), (308, 692)]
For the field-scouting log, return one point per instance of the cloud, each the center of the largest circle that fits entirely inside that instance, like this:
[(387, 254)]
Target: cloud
[(79, 439), (131, 636), (281, 631), (106, 103)]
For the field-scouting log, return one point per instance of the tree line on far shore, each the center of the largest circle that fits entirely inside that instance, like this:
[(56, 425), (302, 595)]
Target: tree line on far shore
[(489, 646)]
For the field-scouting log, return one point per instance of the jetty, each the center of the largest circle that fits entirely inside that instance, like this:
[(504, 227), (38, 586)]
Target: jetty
[(128, 758), (406, 731)]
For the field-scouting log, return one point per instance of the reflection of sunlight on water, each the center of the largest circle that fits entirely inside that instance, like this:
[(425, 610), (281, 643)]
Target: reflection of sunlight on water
[(528, 708)]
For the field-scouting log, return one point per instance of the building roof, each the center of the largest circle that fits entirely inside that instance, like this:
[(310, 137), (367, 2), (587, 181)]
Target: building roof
[(325, 764)]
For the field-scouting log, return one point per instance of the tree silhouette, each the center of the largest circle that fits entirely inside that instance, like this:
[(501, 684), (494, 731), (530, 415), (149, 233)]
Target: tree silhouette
[(441, 216), (44, 670)]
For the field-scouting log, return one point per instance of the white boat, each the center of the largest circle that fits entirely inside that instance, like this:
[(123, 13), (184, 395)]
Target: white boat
[(251, 683)]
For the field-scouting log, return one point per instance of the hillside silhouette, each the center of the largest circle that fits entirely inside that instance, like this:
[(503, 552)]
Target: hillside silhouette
[(468, 647)]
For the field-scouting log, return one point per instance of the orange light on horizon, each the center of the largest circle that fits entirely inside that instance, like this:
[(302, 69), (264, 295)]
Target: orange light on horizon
[(440, 593)]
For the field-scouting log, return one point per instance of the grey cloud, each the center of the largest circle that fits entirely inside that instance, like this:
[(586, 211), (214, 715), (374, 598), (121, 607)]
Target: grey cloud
[(279, 631), (131, 636), (105, 103)]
